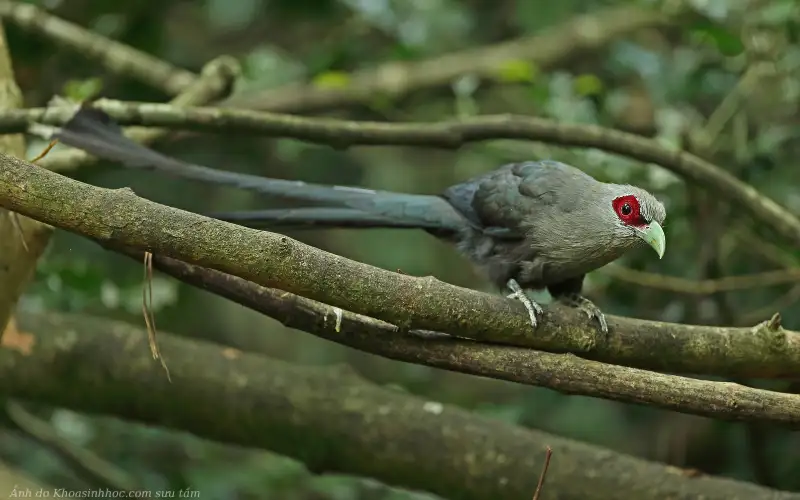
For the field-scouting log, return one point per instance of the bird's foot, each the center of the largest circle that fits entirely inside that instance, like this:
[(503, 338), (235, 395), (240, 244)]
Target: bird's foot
[(518, 293), (588, 307)]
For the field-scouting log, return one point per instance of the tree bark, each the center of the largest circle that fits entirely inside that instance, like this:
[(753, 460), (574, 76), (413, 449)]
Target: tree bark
[(330, 419), (117, 217)]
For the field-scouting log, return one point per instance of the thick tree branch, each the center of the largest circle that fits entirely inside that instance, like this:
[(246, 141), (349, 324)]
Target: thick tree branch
[(22, 240), (331, 420), (562, 372), (114, 56), (119, 217), (445, 134)]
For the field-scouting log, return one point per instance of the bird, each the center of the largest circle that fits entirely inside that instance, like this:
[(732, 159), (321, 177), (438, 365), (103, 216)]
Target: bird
[(526, 225)]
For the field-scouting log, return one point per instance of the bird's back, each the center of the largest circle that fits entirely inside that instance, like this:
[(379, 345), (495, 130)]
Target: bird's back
[(502, 200)]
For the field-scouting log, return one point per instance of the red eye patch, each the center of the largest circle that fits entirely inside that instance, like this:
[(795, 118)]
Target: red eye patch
[(627, 209)]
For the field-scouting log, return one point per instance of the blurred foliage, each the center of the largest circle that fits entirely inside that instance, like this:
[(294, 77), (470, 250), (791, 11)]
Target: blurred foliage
[(664, 83)]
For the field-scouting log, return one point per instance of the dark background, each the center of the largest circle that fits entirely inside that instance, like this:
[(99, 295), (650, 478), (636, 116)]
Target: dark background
[(667, 82)]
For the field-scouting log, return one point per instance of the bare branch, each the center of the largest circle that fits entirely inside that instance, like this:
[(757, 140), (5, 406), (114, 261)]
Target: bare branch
[(114, 56), (786, 300), (444, 134), (216, 80), (120, 218), (754, 244), (329, 419), (703, 287), (92, 468), (538, 492), (561, 372), (554, 46)]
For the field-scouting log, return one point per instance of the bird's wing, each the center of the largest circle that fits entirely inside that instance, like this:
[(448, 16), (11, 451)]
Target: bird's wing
[(501, 200)]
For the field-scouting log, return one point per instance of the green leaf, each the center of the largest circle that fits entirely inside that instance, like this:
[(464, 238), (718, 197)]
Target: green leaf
[(586, 85), (726, 42), (405, 52), (517, 71), (332, 80), (539, 93), (82, 90)]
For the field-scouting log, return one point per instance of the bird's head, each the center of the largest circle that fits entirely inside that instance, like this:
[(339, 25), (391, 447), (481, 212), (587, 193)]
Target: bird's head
[(578, 223), (637, 216)]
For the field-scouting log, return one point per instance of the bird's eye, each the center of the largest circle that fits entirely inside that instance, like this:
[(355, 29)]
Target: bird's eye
[(627, 209)]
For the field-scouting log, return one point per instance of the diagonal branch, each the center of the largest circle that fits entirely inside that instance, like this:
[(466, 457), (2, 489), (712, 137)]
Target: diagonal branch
[(93, 469), (331, 420), (554, 46), (120, 218), (706, 286), (445, 134), (114, 56), (562, 372), (215, 80)]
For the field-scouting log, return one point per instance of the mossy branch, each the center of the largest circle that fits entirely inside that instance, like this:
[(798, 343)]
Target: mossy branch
[(565, 373), (330, 419), (119, 217)]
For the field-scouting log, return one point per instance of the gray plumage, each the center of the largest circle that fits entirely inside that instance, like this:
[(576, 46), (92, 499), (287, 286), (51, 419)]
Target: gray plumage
[(542, 223), (561, 223), (529, 225)]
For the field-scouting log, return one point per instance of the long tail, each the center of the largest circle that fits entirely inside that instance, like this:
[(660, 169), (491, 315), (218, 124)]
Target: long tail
[(93, 131), (320, 217)]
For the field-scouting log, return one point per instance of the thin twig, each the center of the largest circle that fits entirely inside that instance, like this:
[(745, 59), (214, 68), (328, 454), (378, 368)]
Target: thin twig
[(706, 141), (20, 232), (91, 467), (539, 486), (784, 301), (147, 311), (216, 79), (44, 152), (752, 242), (702, 287)]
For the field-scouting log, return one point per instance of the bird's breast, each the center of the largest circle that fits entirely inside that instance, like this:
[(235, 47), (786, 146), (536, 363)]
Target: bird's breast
[(567, 263)]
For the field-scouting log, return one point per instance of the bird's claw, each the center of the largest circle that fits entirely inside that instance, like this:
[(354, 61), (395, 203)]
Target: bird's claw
[(588, 307), (533, 308)]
